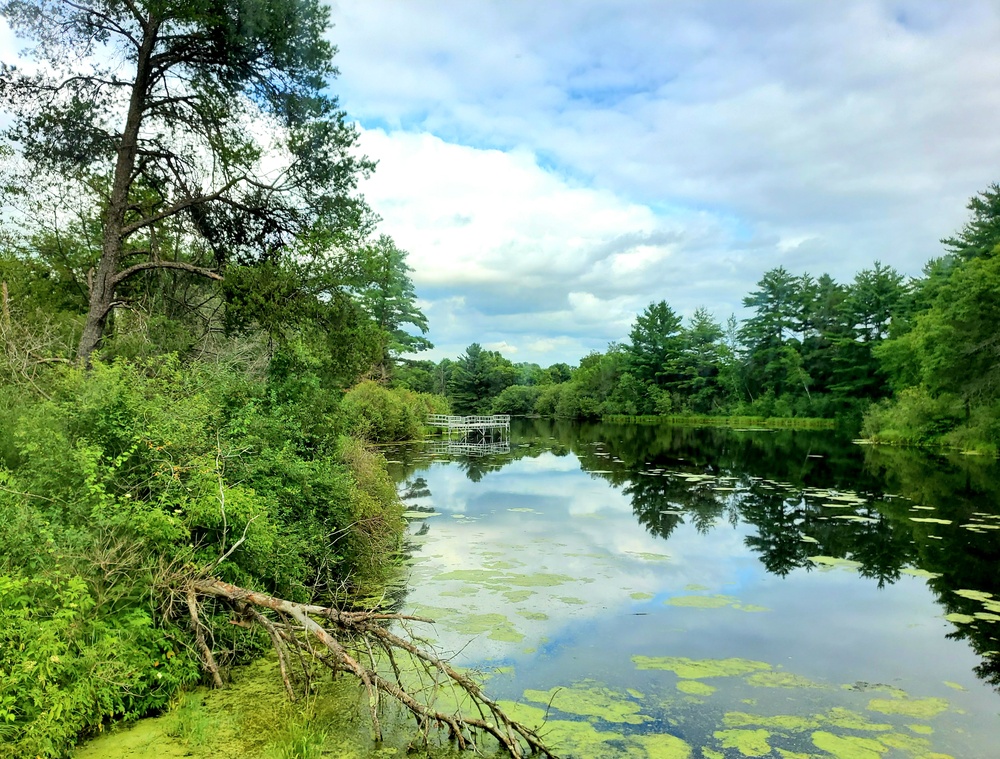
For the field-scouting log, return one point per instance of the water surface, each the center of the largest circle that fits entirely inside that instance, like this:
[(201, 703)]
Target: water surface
[(661, 591)]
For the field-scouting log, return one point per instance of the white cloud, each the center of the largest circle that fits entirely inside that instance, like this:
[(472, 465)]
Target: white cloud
[(650, 150)]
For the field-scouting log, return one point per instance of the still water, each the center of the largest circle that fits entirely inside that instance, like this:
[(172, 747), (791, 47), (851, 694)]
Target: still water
[(657, 591)]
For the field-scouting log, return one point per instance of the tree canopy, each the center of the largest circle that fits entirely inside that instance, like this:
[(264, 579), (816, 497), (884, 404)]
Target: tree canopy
[(200, 133)]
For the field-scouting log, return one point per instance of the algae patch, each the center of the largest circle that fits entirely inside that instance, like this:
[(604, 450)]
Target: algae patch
[(593, 700), (695, 688), (848, 747), (747, 742), (696, 669), (701, 602), (781, 680), (918, 708)]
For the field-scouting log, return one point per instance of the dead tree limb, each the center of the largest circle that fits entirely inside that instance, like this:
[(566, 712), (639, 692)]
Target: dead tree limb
[(349, 642), (208, 658)]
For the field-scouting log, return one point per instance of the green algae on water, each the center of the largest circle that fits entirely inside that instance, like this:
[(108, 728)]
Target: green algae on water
[(920, 708), (830, 562), (848, 747), (641, 596), (695, 688), (593, 700), (497, 625), (696, 669), (701, 602), (851, 720), (664, 746), (961, 619), (781, 680), (747, 742), (786, 722)]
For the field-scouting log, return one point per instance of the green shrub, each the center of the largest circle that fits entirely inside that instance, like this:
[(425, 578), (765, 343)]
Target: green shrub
[(379, 414), (518, 400), (914, 417), (131, 477)]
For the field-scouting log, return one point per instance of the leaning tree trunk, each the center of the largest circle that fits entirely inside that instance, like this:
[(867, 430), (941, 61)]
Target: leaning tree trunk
[(103, 280), (360, 644)]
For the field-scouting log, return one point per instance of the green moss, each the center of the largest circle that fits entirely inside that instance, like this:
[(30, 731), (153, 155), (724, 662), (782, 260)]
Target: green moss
[(696, 669), (848, 747), (695, 688), (919, 708), (921, 729), (747, 742)]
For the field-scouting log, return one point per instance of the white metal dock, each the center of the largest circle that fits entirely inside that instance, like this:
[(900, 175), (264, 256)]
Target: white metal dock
[(474, 429)]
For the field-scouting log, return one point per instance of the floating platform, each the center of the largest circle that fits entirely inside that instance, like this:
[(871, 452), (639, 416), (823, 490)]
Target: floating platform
[(474, 429)]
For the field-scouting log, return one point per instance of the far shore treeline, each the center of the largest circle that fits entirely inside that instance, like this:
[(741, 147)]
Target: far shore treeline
[(911, 360)]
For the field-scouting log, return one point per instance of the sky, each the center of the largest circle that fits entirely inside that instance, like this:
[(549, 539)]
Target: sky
[(553, 168)]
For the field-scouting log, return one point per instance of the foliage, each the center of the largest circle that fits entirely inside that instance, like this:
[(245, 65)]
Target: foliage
[(380, 414), (389, 299), (518, 400), (163, 123), (478, 376), (131, 475)]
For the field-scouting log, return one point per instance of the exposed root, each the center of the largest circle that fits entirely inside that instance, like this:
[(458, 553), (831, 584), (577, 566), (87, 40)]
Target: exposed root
[(352, 642)]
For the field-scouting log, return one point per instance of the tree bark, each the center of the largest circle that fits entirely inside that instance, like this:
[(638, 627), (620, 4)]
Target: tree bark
[(103, 281)]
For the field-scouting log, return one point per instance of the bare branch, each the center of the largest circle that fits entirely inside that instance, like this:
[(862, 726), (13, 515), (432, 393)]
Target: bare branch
[(181, 265)]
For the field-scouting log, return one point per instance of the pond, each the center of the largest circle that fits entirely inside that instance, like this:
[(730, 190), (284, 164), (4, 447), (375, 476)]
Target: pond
[(658, 591)]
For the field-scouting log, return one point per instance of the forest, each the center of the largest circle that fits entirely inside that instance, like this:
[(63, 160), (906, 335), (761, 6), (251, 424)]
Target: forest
[(907, 360), (202, 327)]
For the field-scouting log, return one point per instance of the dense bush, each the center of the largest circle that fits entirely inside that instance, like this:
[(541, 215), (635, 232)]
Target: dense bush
[(379, 414), (519, 400), (129, 479), (913, 417)]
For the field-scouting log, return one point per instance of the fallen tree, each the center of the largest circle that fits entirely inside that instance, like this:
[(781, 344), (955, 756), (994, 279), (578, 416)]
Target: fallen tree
[(357, 643)]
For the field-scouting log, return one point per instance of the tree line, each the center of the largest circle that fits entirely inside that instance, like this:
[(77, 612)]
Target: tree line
[(915, 358)]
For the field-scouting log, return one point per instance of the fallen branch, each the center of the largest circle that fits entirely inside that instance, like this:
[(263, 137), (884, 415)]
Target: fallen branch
[(350, 642)]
